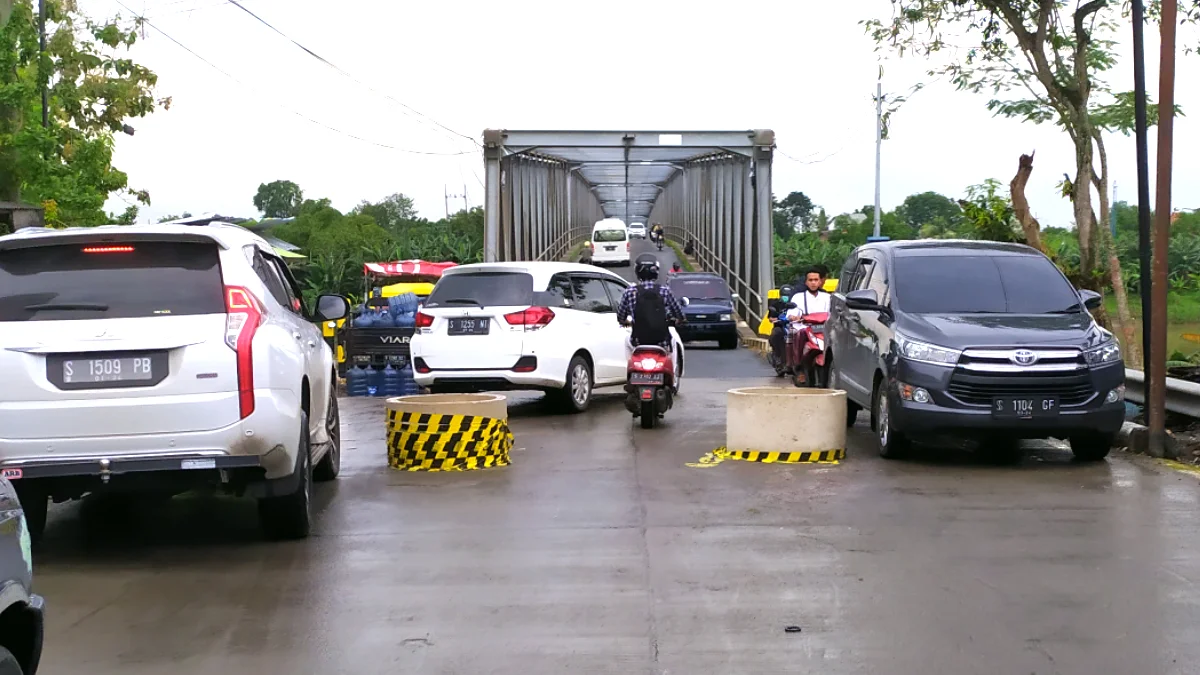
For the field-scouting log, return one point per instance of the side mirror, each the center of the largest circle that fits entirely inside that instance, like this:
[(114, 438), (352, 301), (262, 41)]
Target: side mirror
[(331, 308), (685, 302), (865, 299), (1091, 299)]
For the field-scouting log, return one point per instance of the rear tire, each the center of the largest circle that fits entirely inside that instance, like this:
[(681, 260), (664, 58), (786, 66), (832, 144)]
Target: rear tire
[(649, 414), (290, 516), (576, 394), (36, 505), (1092, 447), (728, 343), (9, 664), (892, 444), (851, 413), (331, 464)]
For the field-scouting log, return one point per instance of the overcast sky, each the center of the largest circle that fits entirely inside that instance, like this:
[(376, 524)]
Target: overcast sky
[(801, 67)]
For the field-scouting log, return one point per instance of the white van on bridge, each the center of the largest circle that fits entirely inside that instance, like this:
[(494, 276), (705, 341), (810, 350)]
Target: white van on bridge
[(610, 242)]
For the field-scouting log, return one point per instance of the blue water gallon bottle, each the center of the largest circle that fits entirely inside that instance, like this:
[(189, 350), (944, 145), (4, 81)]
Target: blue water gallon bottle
[(374, 381), (356, 381), (393, 384), (407, 383)]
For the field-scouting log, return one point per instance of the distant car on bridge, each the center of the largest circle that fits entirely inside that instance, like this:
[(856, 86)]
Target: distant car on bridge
[(544, 326), (637, 230), (708, 305)]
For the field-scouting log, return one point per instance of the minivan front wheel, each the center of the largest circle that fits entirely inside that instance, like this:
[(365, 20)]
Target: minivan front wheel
[(892, 444), (1091, 447)]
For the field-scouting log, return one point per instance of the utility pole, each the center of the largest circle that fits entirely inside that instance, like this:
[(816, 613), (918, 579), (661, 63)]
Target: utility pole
[(43, 76), (448, 197), (1149, 356), (446, 194), (1162, 230), (878, 148), (466, 205)]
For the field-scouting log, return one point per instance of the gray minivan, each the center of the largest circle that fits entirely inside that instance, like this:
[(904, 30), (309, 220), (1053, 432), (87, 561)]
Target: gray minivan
[(21, 623), (977, 339)]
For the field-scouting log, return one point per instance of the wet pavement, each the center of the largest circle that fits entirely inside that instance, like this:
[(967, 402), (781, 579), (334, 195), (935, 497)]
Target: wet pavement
[(599, 550)]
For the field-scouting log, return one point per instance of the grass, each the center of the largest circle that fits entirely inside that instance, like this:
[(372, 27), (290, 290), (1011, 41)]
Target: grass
[(683, 261), (1183, 318)]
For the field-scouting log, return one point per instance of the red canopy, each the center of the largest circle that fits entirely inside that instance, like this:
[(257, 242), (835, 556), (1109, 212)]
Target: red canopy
[(408, 267)]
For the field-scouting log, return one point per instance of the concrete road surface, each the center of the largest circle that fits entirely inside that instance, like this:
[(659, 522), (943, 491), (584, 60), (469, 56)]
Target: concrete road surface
[(599, 550)]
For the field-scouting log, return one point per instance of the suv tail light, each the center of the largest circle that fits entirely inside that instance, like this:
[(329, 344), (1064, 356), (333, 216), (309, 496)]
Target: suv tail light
[(532, 318), (243, 315), (424, 320)]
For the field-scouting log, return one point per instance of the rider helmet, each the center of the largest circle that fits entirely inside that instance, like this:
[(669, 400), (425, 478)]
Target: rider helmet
[(646, 267)]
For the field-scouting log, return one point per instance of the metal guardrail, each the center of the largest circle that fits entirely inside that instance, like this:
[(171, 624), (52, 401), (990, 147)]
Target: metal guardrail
[(1183, 397)]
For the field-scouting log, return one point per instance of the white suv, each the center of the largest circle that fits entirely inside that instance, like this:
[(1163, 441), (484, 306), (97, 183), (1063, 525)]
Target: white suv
[(163, 358), (525, 326)]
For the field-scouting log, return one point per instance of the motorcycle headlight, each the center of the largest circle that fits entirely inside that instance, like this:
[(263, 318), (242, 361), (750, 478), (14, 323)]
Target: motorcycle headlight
[(926, 353), (1109, 352)]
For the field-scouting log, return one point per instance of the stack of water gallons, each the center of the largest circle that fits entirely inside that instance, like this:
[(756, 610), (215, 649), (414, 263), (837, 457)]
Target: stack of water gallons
[(391, 380), (401, 312)]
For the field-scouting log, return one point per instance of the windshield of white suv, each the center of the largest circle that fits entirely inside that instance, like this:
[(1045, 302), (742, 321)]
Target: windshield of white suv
[(974, 284), (110, 281), (609, 235), (482, 289)]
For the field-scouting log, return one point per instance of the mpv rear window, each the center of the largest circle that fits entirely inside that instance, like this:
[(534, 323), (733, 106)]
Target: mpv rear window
[(486, 289), (608, 235), (972, 284), (110, 281)]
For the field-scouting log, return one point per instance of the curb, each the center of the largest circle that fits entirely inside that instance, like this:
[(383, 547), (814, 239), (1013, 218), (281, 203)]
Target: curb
[(1135, 438)]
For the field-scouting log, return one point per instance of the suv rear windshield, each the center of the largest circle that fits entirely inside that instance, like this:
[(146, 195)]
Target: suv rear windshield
[(483, 289), (972, 284), (608, 235), (700, 289), (110, 281)]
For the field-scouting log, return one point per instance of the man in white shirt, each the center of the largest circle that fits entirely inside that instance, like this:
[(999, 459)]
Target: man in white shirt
[(813, 300)]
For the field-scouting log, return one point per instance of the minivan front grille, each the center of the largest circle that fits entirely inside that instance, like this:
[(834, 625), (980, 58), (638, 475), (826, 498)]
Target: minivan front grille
[(974, 388)]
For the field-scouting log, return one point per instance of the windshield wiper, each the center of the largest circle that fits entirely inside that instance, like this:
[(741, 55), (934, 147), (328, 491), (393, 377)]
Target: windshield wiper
[(68, 306)]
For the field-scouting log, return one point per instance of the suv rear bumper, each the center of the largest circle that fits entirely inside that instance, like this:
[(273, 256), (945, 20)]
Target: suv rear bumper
[(267, 439)]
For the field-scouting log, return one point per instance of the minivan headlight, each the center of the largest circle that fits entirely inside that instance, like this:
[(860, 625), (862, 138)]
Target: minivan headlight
[(925, 352), (1109, 352)]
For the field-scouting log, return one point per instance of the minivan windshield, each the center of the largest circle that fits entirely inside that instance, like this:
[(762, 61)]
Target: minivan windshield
[(981, 284), (482, 289), (608, 235)]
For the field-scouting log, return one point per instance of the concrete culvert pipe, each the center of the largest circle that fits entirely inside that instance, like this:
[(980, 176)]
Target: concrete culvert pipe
[(779, 419), (448, 432)]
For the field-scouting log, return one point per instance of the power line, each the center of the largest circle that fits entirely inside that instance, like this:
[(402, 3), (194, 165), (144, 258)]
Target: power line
[(322, 59), (285, 108)]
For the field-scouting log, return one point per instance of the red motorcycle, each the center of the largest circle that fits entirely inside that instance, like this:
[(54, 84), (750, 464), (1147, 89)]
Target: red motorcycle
[(806, 352), (650, 384)]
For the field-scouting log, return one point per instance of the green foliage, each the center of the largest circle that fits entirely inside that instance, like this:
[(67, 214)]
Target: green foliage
[(278, 199), (988, 213), (792, 214), (393, 213), (93, 89), (930, 210), (338, 244), (795, 255)]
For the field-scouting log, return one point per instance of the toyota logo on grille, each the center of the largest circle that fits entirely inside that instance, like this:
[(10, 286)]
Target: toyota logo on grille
[(1024, 357)]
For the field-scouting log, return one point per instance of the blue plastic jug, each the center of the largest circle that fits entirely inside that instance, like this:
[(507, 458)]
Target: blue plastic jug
[(393, 383), (407, 384), (356, 381), (374, 381)]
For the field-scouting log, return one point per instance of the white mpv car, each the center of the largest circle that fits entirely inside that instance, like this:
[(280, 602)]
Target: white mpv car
[(544, 326), (163, 358)]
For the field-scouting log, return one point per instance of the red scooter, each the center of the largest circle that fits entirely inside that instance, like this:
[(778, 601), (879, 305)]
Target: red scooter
[(806, 352), (650, 384)]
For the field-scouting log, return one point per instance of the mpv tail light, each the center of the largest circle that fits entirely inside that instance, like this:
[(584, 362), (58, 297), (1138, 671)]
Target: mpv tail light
[(532, 318), (243, 315), (424, 320)]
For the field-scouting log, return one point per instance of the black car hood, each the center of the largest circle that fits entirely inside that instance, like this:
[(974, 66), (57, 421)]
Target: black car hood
[(962, 331), (708, 307)]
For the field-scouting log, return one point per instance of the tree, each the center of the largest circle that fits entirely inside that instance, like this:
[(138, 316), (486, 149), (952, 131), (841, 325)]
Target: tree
[(278, 199), (989, 214), (1055, 53), (93, 89), (798, 209), (923, 209), (167, 219)]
